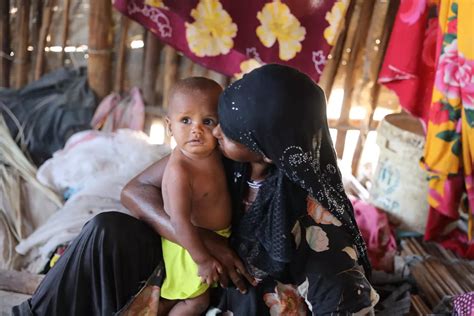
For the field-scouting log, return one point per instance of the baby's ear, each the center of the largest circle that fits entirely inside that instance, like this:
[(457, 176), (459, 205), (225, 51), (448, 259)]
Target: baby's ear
[(168, 126)]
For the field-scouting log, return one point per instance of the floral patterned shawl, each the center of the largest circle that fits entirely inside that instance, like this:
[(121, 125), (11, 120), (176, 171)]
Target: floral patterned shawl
[(233, 37)]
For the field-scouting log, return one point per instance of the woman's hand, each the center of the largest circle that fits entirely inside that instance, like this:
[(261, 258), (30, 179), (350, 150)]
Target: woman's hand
[(232, 266)]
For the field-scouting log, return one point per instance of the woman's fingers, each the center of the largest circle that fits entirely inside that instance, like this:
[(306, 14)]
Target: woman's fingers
[(219, 267), (241, 270), (238, 281), (224, 279)]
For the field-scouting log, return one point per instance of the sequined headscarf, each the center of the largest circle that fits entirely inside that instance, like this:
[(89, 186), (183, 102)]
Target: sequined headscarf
[(280, 112)]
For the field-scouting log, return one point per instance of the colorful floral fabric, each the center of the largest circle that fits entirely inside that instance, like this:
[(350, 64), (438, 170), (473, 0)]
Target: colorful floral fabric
[(233, 37), (449, 148), (323, 276), (409, 63)]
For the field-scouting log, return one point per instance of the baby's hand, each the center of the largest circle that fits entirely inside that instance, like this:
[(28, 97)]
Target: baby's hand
[(209, 270)]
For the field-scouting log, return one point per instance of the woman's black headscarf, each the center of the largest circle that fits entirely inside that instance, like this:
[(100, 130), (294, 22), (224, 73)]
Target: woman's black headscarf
[(280, 112)]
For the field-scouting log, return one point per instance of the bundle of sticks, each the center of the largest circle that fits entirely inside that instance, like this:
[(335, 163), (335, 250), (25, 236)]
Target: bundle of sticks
[(438, 273)]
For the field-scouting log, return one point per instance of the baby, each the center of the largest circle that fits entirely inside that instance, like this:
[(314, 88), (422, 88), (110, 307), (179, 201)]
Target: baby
[(195, 196)]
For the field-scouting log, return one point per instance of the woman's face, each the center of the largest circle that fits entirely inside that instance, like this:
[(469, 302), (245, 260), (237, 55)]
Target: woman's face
[(234, 150)]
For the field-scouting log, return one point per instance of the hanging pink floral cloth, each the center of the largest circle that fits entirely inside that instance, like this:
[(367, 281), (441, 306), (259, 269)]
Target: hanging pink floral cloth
[(234, 37), (409, 63), (449, 149)]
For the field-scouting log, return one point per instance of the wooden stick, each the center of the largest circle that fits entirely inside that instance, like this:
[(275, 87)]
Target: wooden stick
[(218, 77), (170, 69), (200, 71), (47, 17), (21, 52), (436, 275), (120, 64), (364, 130), (415, 306), (36, 18), (20, 282), (418, 247), (100, 47), (153, 49), (421, 305), (186, 67), (407, 246), (5, 42), (447, 277), (65, 34), (362, 18), (373, 57), (426, 287)]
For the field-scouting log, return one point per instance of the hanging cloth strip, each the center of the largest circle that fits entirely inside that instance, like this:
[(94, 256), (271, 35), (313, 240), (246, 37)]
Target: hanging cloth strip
[(408, 67), (449, 148)]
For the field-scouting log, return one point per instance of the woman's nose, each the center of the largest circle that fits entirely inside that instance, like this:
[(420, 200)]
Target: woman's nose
[(217, 132), (196, 128)]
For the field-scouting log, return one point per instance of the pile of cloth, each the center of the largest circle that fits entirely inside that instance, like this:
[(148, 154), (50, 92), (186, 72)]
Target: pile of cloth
[(90, 172), (53, 123)]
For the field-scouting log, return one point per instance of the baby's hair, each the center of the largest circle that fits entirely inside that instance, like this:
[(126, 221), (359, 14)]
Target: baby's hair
[(192, 84)]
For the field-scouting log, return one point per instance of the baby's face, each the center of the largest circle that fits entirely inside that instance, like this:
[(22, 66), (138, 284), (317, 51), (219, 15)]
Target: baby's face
[(192, 116)]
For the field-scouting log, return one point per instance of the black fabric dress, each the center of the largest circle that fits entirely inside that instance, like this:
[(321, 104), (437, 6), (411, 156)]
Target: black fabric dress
[(100, 270)]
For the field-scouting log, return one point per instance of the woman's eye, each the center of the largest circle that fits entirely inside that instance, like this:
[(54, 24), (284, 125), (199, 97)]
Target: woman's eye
[(209, 122), (185, 120)]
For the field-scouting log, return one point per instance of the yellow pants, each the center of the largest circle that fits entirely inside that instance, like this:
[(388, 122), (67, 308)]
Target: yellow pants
[(182, 280)]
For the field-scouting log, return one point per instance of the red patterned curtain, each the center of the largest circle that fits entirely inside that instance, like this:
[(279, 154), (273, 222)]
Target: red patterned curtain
[(233, 37)]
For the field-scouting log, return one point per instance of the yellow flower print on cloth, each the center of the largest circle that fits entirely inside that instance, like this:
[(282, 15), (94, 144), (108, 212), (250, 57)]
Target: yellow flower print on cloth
[(285, 301), (317, 238), (277, 23), (319, 214), (155, 3), (212, 32), (336, 20), (247, 66)]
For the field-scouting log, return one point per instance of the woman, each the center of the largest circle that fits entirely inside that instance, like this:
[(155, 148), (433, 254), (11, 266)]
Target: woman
[(293, 225)]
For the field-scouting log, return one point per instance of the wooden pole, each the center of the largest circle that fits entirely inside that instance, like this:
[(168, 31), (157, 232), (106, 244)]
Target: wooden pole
[(20, 282), (45, 24), (5, 42), (36, 21), (21, 52), (219, 78), (186, 67), (100, 47), (171, 60), (153, 49), (67, 4), (377, 39), (362, 20), (122, 53), (365, 127)]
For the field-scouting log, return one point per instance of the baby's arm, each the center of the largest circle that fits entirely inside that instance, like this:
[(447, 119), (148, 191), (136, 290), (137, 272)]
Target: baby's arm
[(179, 207), (142, 196)]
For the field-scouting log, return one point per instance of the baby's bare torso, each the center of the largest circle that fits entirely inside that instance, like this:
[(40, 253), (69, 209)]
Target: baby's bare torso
[(210, 200)]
